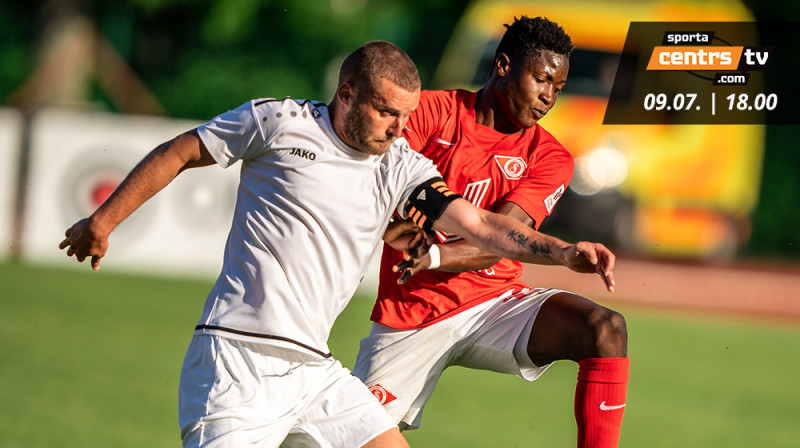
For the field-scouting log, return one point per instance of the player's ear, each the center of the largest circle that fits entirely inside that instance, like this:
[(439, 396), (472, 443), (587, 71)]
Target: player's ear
[(502, 64), (346, 94)]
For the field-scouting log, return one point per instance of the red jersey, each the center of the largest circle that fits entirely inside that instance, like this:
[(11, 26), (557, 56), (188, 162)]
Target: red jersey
[(529, 168)]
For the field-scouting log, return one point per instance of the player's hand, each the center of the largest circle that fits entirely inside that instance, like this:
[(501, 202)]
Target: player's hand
[(82, 241), (405, 236), (410, 266), (587, 258)]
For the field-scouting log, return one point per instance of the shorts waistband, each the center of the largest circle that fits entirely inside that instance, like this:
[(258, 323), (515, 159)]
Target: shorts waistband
[(217, 328)]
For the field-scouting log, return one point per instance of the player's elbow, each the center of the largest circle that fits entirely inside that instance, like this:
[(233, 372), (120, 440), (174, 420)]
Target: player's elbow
[(465, 220)]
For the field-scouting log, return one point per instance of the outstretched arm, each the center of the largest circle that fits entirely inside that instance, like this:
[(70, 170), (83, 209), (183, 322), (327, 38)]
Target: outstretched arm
[(503, 235), (89, 236), (458, 256)]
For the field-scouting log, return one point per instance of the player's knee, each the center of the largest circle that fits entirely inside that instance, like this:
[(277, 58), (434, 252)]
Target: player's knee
[(389, 439), (610, 333)]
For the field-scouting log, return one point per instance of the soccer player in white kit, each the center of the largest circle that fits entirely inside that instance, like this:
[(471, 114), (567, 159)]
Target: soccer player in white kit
[(318, 186)]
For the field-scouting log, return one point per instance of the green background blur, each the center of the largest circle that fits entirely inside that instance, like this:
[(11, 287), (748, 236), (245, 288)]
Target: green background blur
[(202, 57), (93, 360)]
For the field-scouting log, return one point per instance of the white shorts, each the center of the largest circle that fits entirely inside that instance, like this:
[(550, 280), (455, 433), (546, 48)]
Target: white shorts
[(235, 393), (402, 366)]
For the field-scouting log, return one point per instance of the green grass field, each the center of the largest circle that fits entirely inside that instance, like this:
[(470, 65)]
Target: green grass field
[(92, 360)]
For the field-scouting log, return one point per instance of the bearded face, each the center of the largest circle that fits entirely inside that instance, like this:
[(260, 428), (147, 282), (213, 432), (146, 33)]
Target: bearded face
[(373, 122)]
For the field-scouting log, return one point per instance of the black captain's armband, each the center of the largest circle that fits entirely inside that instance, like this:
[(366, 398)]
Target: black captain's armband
[(428, 201)]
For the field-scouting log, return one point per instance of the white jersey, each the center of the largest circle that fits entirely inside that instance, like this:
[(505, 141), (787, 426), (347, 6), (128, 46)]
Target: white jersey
[(309, 213)]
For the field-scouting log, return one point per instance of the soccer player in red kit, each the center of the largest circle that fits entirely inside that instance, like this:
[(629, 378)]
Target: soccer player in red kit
[(458, 305)]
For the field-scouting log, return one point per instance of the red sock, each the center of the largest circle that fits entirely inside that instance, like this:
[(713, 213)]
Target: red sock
[(600, 400)]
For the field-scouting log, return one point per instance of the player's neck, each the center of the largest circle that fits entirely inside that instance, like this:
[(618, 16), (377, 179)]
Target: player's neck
[(489, 113)]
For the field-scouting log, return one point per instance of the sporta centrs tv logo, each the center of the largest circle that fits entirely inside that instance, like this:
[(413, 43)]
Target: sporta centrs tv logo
[(707, 73), (703, 51)]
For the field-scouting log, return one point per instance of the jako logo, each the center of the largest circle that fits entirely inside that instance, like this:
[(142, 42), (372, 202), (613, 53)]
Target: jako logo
[(303, 153)]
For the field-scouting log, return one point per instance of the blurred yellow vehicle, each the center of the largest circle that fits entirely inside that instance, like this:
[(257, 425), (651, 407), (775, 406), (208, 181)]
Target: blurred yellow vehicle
[(680, 190)]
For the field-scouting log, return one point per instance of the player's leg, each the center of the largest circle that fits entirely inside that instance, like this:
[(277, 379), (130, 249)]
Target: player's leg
[(495, 340), (569, 326), (223, 401), (340, 412), (389, 439), (402, 367), (572, 327)]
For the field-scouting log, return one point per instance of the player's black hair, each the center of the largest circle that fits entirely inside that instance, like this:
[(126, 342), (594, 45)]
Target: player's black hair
[(529, 37), (379, 60)]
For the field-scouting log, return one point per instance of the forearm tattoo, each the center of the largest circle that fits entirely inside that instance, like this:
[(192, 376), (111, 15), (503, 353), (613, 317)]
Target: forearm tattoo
[(533, 246)]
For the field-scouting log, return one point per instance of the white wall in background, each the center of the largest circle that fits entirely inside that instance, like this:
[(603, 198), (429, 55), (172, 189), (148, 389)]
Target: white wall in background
[(10, 143), (78, 157)]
